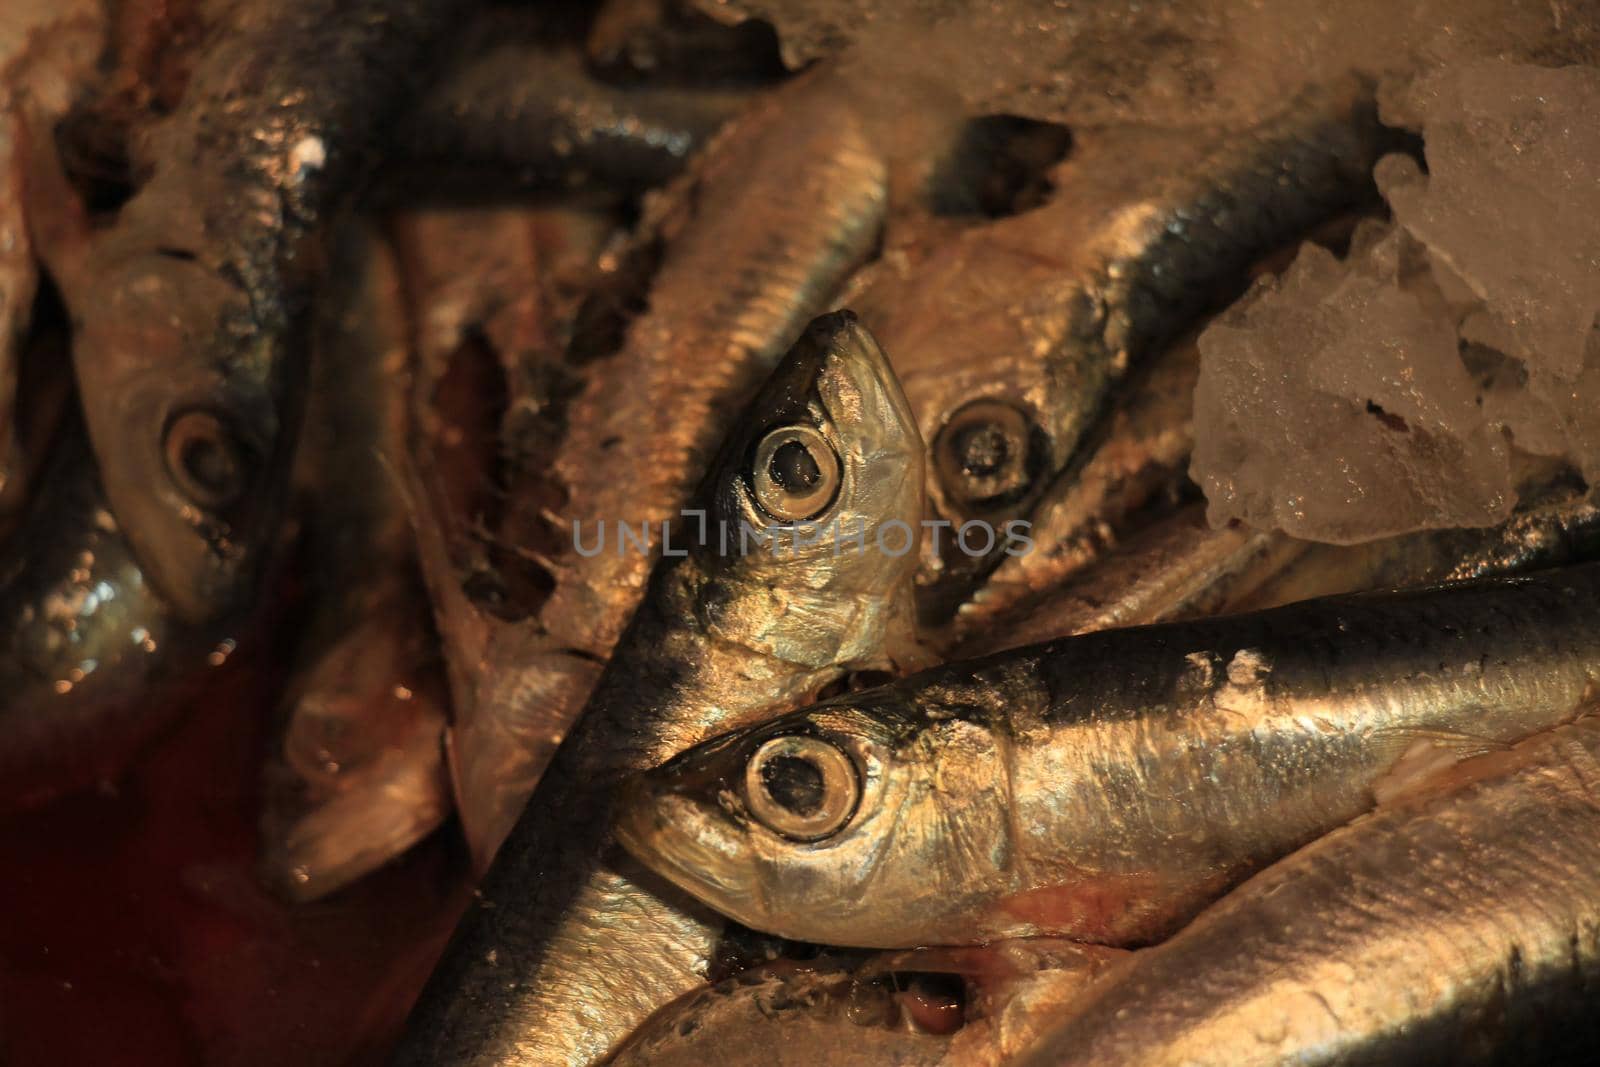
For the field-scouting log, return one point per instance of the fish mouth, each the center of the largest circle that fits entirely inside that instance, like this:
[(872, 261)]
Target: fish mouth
[(693, 847)]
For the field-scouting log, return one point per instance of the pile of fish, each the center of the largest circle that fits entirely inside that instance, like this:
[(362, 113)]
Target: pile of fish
[(729, 463)]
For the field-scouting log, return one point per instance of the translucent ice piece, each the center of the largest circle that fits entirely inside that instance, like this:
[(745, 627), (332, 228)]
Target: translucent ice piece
[(1332, 404)]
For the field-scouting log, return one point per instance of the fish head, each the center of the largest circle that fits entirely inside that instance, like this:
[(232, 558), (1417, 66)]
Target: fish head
[(183, 411), (818, 501), (853, 822), (975, 330)]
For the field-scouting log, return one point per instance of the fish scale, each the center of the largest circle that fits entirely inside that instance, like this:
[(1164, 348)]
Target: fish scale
[(1456, 924), (189, 309), (1133, 775), (786, 201), (1143, 230), (791, 220), (571, 944)]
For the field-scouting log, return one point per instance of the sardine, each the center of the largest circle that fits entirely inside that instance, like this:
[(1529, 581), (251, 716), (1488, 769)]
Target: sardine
[(971, 1007), (1181, 568), (529, 114), (794, 1013), (362, 774), (189, 310), (1459, 923), (1139, 453), (666, 42), (1550, 527), (1145, 228), (92, 661), (1105, 787), (571, 945), (782, 206), (1177, 568)]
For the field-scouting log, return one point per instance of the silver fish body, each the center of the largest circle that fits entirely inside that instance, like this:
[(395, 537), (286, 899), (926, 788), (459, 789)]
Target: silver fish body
[(189, 311), (785, 1014), (1458, 924), (1549, 528), (1143, 230), (783, 204), (1106, 787), (1181, 567), (1139, 452), (571, 944), (1177, 568), (361, 775), (972, 1007), (513, 107)]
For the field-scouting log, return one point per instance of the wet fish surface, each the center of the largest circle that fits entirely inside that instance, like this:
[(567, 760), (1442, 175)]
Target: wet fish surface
[(1177, 568), (1106, 787), (1459, 923), (1144, 229), (360, 776), (1180, 567), (189, 311), (1549, 528), (790, 199), (91, 658), (571, 944), (1138, 453), (965, 1006)]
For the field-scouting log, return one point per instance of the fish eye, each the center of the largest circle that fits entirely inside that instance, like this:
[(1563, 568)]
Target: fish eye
[(986, 455), (800, 787), (205, 459), (796, 473)]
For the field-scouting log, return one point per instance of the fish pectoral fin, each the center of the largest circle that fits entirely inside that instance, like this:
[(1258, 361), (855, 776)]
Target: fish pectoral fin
[(1422, 755)]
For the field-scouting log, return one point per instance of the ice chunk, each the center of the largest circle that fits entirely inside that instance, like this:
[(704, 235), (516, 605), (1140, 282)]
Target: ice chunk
[(1510, 213), (1332, 403), (1547, 414), (1470, 318), (1511, 200)]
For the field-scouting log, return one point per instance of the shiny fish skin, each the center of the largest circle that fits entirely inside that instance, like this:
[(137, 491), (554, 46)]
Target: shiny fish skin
[(795, 199), (783, 204), (1178, 568), (1141, 452), (784, 1015), (838, 1011), (193, 302), (1458, 924), (361, 774), (1144, 229), (1548, 529), (571, 944), (1182, 568), (91, 660), (19, 279), (1106, 787), (533, 114)]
